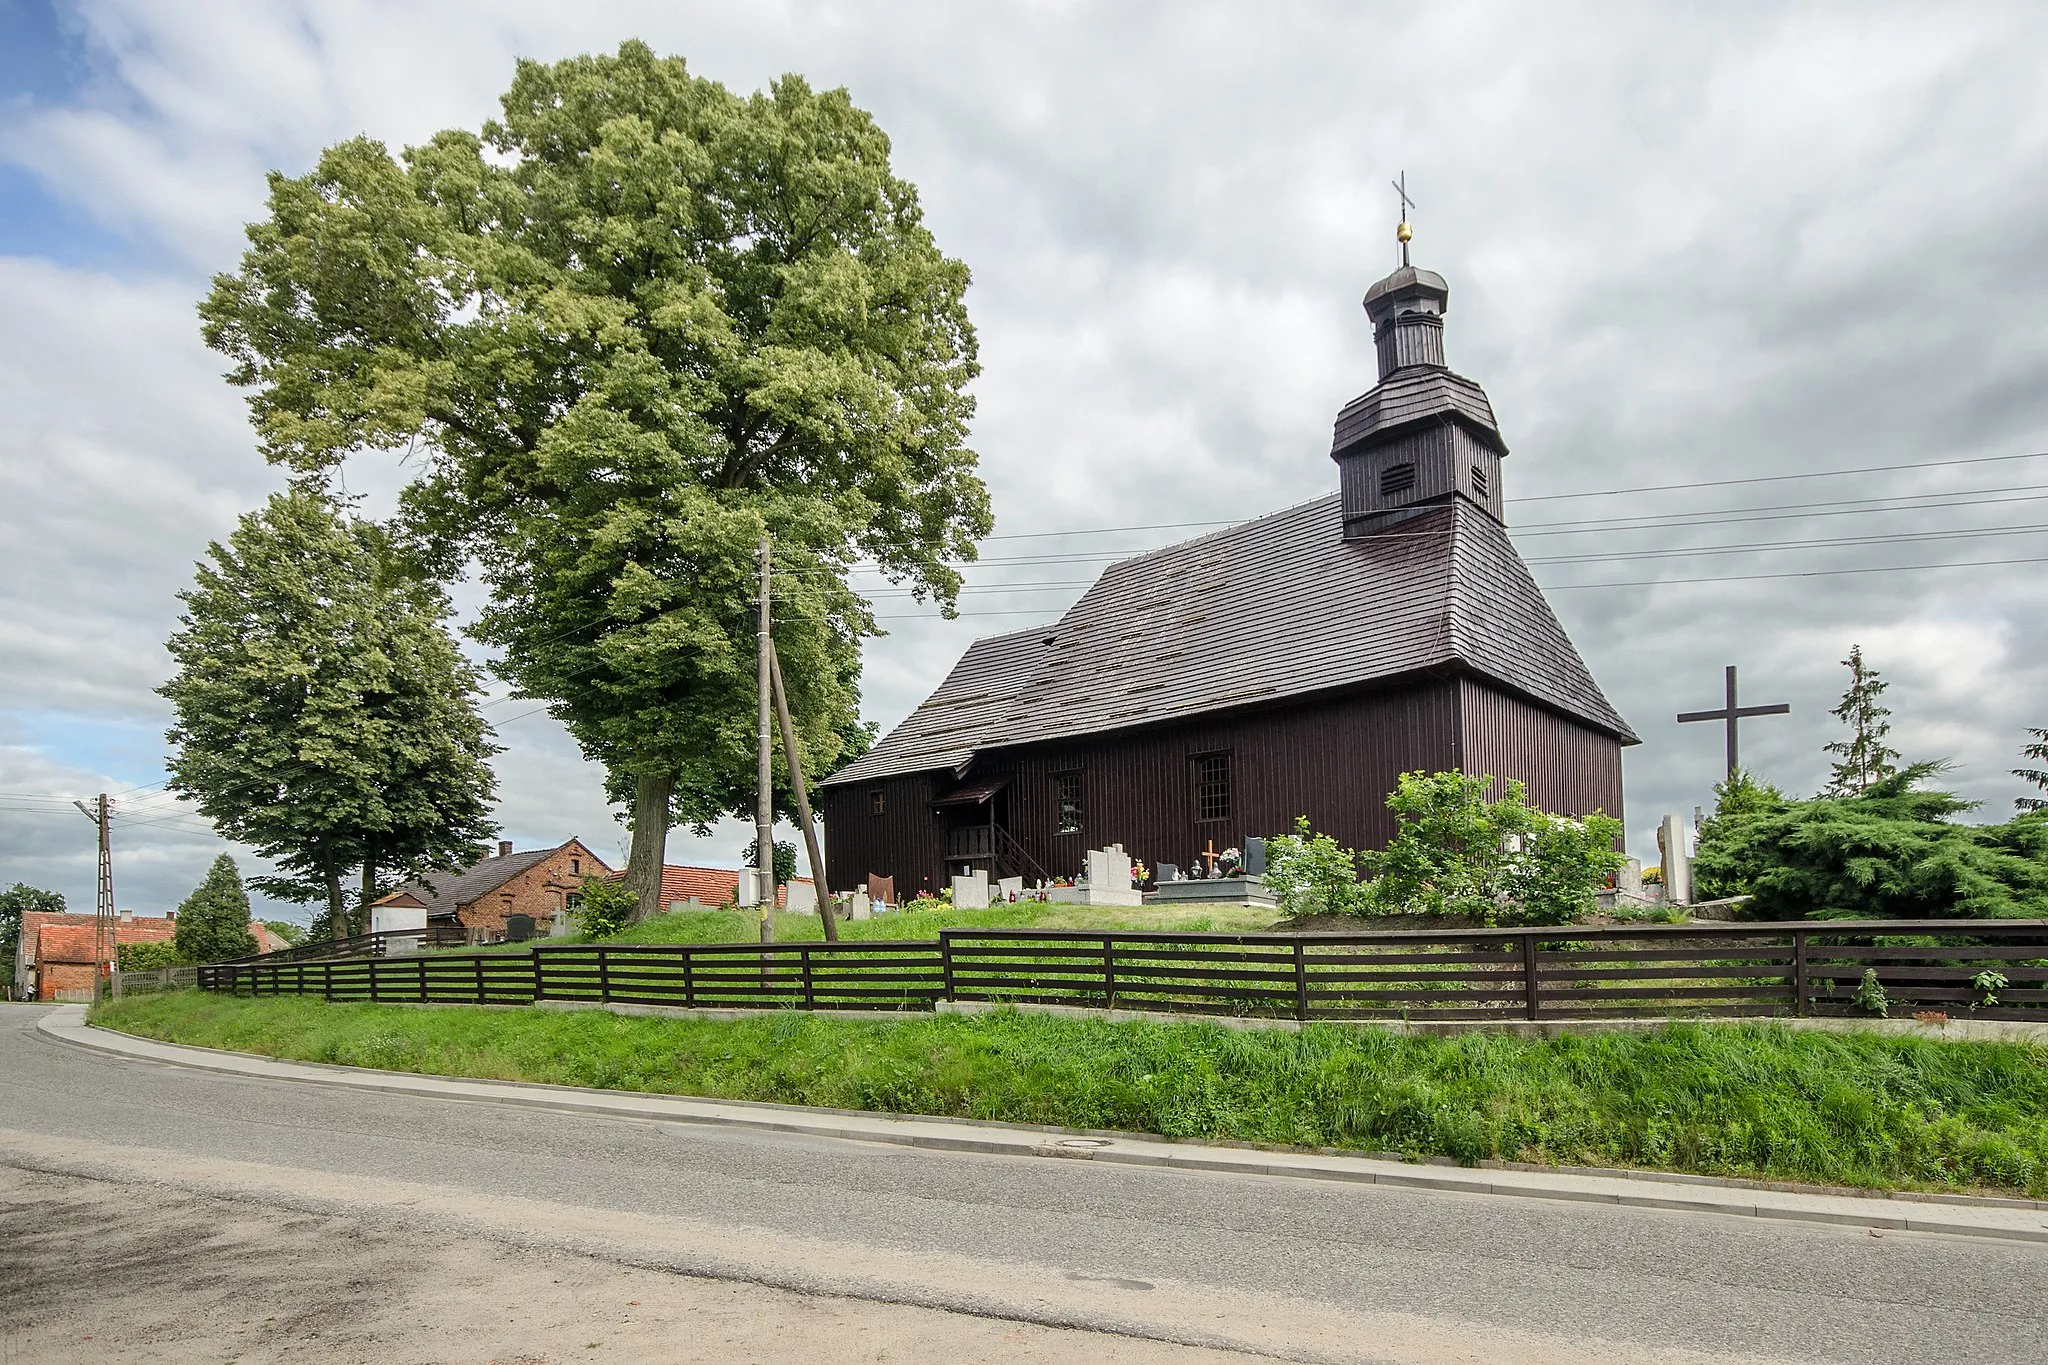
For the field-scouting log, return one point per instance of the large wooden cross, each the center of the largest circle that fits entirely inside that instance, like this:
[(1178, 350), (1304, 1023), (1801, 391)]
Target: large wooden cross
[(1212, 855), (1732, 713)]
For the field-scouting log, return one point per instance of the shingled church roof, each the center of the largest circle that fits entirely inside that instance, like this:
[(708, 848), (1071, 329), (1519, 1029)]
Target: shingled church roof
[(1276, 608)]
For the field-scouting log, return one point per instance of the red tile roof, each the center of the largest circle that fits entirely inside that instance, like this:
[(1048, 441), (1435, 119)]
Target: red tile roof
[(62, 943), (140, 929), (710, 885)]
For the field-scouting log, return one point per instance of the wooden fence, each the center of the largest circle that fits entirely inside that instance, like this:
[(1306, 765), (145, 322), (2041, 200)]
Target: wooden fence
[(1986, 969)]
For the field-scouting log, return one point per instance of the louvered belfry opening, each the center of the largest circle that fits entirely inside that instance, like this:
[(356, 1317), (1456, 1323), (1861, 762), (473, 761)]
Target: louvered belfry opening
[(1423, 437)]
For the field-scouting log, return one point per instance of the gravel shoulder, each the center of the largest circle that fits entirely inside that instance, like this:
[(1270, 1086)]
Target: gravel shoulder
[(103, 1271)]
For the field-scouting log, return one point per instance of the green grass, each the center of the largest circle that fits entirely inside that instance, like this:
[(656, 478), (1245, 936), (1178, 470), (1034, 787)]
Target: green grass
[(737, 926), (1738, 1100)]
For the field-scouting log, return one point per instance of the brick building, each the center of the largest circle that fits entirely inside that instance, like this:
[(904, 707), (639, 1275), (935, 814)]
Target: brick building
[(540, 883), (54, 958)]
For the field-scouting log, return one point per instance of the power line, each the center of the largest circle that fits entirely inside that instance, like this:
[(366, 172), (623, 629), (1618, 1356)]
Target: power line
[(1781, 478), (1910, 537), (1791, 511), (1801, 573), (1582, 493)]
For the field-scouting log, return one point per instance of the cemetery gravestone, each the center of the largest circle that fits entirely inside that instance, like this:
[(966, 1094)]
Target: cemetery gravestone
[(1677, 866), (971, 893), (1106, 881)]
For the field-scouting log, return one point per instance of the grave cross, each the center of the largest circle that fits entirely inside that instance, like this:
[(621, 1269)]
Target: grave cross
[(1212, 855), (1732, 713)]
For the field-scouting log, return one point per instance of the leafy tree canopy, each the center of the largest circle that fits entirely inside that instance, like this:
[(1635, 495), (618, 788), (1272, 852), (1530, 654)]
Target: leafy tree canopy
[(631, 327), (323, 715), (1892, 852), (16, 901), (213, 922), (785, 860)]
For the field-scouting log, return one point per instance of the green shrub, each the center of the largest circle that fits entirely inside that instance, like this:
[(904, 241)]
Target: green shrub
[(1496, 862), (148, 957), (1892, 852), (1312, 874), (608, 903)]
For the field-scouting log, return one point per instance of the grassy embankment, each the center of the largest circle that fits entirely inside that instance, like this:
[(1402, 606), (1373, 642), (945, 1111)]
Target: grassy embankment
[(737, 926), (1739, 1100)]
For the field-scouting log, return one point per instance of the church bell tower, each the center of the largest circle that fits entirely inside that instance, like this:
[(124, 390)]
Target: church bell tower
[(1423, 437)]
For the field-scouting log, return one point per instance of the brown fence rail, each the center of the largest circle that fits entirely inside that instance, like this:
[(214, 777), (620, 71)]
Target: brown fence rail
[(384, 943), (1985, 969)]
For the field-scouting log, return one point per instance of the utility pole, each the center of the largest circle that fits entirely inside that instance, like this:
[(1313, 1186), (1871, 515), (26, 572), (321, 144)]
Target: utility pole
[(803, 799), (764, 801), (105, 927)]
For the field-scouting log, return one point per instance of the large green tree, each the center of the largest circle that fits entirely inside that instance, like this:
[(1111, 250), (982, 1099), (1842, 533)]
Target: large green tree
[(630, 328), (213, 922), (324, 716), (16, 901)]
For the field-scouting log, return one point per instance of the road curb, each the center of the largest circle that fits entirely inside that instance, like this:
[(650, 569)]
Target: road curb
[(2006, 1220)]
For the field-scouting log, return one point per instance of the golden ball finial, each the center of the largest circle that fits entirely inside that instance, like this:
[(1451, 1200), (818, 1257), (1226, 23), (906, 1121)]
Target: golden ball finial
[(1404, 234)]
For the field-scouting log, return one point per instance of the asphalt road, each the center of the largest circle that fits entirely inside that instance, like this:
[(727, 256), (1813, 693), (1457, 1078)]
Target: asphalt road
[(1301, 1270)]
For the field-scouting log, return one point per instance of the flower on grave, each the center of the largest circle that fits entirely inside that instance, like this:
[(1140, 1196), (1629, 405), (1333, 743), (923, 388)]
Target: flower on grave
[(1140, 872), (1230, 862)]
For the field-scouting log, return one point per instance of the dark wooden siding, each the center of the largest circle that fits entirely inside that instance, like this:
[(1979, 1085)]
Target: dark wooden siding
[(1567, 768), (902, 842), (1333, 760)]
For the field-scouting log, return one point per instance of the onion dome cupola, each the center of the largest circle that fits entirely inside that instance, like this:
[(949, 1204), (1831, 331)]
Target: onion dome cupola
[(1422, 436)]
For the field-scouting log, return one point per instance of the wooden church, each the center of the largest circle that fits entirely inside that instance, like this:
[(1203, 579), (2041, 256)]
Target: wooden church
[(1294, 665)]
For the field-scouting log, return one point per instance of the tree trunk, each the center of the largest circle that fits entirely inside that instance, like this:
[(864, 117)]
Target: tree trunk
[(650, 843), (337, 910), (369, 884)]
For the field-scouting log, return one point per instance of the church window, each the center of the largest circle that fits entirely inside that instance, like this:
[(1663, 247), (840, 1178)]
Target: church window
[(1212, 787), (877, 803), (1068, 802), (1478, 481), (575, 867), (1397, 478)]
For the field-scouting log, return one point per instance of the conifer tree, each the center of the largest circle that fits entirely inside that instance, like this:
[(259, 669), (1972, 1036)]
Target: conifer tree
[(213, 922), (2038, 752), (323, 715), (1866, 760)]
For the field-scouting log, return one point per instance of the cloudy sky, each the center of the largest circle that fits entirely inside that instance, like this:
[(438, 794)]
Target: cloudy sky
[(1686, 245)]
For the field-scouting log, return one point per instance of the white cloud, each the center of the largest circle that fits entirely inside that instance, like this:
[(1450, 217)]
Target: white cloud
[(1682, 245)]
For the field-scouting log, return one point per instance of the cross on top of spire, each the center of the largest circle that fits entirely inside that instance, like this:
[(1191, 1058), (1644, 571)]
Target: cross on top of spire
[(1403, 233)]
